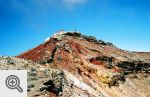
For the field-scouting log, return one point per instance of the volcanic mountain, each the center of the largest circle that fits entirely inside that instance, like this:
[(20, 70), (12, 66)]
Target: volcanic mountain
[(93, 67)]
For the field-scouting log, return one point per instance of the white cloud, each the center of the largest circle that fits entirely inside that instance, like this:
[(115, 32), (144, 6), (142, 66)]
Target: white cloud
[(45, 4), (73, 3)]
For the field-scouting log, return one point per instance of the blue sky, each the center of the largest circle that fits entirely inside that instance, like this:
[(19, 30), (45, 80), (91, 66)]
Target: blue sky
[(25, 24)]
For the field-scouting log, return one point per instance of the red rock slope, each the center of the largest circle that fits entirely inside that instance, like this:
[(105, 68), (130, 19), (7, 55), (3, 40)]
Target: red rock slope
[(106, 69)]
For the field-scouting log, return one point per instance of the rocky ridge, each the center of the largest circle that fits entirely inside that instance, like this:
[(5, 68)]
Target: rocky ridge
[(70, 64)]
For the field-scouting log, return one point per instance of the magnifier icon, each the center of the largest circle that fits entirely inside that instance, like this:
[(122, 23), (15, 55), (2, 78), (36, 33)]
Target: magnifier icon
[(13, 82)]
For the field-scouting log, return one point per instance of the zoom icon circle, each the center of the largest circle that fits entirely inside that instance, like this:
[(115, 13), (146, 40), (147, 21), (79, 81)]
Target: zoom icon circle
[(13, 82)]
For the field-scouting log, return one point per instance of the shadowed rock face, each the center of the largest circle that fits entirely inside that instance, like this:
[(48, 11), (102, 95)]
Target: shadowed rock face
[(94, 66)]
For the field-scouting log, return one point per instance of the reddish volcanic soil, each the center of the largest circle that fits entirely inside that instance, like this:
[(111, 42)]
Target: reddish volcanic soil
[(100, 65)]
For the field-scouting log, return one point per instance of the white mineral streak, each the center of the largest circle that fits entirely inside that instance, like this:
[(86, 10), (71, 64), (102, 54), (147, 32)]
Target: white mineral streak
[(81, 84)]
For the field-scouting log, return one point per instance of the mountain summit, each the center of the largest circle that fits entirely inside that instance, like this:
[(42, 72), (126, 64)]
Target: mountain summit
[(91, 67)]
